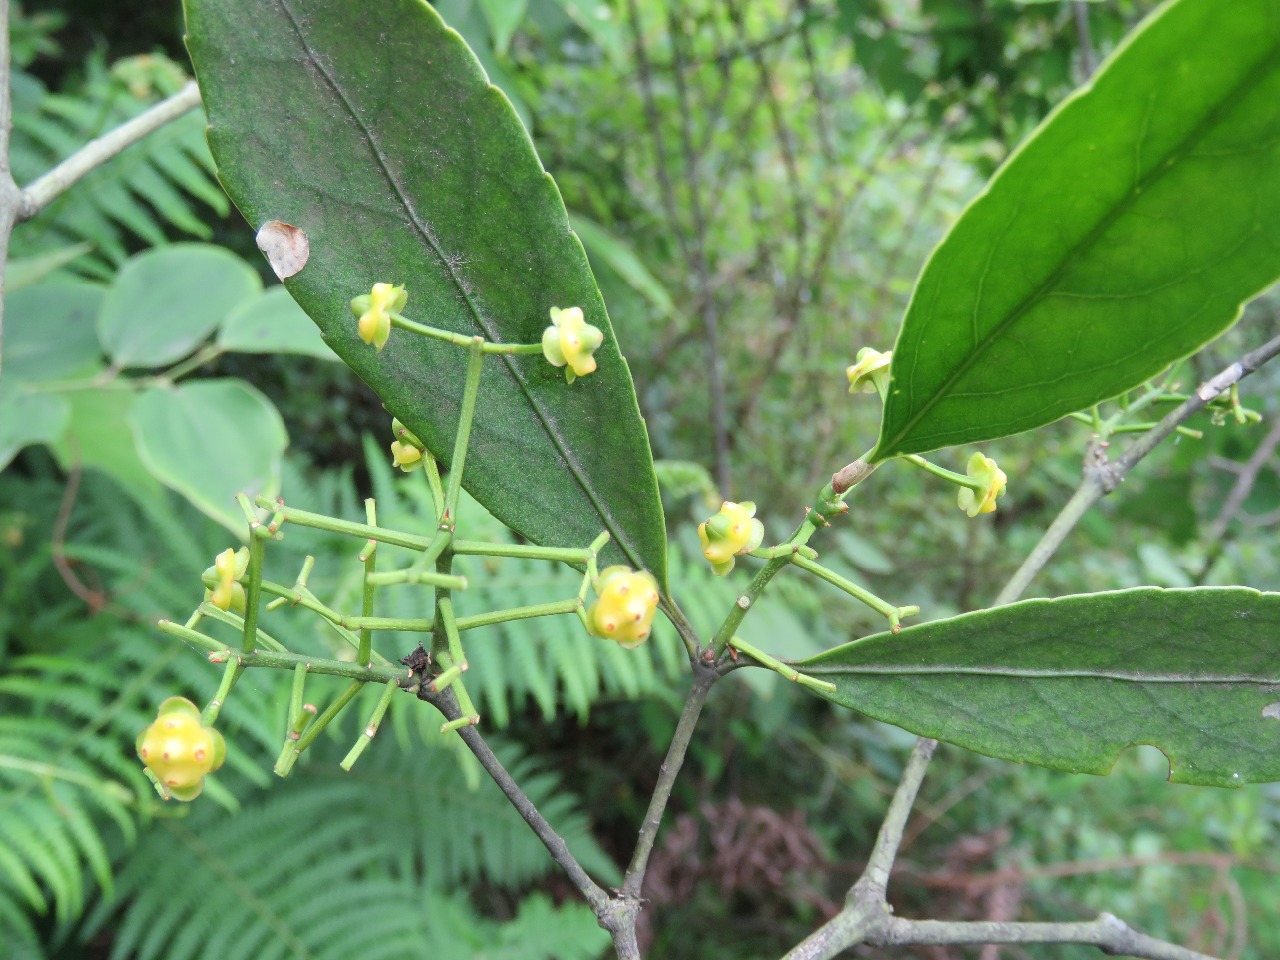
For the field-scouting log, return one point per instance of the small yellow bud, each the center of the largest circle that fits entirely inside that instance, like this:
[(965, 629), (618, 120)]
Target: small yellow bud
[(375, 309), (229, 567), (870, 374), (570, 341), (731, 532), (179, 750), (984, 470), (627, 604)]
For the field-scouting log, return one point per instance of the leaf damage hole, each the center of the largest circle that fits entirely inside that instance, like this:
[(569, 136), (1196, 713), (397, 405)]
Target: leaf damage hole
[(286, 247), (1272, 710)]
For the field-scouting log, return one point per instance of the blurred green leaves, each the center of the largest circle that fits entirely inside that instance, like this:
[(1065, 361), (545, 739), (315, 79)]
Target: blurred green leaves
[(68, 344)]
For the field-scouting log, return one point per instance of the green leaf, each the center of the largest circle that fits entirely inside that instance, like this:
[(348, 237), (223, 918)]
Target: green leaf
[(164, 302), (1122, 236), (209, 440), (604, 247), (504, 16), (49, 333), (99, 434), (272, 323), (441, 190), (27, 417), (1071, 683)]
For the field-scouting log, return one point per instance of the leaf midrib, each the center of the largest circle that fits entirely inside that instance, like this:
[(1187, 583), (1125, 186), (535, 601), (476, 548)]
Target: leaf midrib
[(1211, 119), (575, 469)]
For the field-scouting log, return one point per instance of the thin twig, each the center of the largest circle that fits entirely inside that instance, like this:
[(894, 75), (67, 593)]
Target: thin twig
[(1088, 59), (1101, 477), (38, 194), (701, 268), (1107, 932), (10, 196), (447, 704), (703, 677)]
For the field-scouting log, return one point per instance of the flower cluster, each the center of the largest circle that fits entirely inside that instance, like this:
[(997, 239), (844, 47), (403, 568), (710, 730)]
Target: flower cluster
[(627, 604), (993, 480), (180, 750), (375, 310), (570, 342), (731, 532)]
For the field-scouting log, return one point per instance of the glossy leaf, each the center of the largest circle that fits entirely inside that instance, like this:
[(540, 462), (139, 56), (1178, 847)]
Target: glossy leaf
[(164, 302), (272, 323), (1071, 683), (209, 440), (1123, 235), (382, 139)]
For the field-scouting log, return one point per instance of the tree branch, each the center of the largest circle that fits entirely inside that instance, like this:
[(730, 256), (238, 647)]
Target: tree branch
[(1102, 476), (447, 704), (1107, 932), (703, 678), (40, 192), (10, 196)]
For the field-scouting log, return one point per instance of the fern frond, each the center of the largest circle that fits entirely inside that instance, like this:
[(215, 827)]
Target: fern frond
[(329, 865), (149, 188)]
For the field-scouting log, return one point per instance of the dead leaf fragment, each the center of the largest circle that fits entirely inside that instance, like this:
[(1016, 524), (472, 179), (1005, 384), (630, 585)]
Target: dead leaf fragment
[(1272, 710), (286, 247)]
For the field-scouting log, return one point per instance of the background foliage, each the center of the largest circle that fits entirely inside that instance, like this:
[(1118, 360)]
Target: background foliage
[(765, 177)]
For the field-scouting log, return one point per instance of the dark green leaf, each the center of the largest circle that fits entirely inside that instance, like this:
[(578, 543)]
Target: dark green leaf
[(164, 302), (1123, 235), (209, 440), (383, 141), (1072, 682)]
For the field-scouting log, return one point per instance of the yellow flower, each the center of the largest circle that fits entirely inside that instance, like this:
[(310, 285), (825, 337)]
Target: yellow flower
[(570, 341), (731, 532), (406, 450), (870, 374), (984, 470), (375, 309), (180, 750), (228, 569), (627, 604)]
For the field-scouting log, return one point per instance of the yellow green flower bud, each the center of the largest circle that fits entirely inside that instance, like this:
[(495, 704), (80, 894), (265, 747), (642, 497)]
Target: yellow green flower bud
[(405, 456), (731, 532), (870, 374), (993, 480), (375, 309), (180, 750), (407, 451), (626, 606), (229, 568), (570, 341)]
